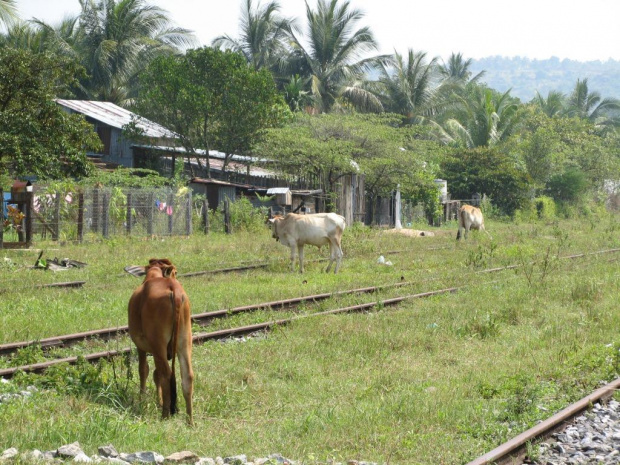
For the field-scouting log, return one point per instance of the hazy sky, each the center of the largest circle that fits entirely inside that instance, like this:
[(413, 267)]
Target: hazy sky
[(477, 28)]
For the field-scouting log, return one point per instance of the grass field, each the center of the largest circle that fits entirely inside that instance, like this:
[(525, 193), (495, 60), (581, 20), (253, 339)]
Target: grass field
[(432, 381)]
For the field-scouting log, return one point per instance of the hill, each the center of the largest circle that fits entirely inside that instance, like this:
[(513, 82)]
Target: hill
[(526, 76)]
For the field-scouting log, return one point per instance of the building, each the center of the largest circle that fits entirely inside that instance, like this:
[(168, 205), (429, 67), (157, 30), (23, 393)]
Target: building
[(109, 120)]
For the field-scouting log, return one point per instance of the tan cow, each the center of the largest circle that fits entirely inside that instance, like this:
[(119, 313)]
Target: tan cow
[(470, 218), (318, 229), (160, 324)]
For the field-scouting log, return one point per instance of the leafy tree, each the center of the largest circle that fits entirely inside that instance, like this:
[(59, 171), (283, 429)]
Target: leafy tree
[(590, 105), (113, 40), (552, 105), (211, 99), (263, 35), (8, 12), (486, 170), (484, 118), (36, 136), (332, 56), (457, 69), (410, 86)]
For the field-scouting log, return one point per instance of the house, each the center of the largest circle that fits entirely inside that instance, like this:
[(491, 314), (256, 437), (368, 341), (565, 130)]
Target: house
[(108, 120)]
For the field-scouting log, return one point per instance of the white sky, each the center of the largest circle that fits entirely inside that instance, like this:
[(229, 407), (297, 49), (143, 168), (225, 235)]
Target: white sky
[(477, 28)]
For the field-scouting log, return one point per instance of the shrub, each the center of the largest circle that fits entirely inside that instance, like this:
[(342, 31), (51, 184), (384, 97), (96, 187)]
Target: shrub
[(545, 208)]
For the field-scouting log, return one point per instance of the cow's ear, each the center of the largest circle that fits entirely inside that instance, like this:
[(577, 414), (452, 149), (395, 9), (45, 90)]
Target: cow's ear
[(272, 220), (170, 271)]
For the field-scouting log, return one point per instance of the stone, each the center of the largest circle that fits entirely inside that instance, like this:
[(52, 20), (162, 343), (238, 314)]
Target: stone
[(107, 451), (70, 450), (205, 461), (82, 458), (236, 459), (9, 453), (181, 457), (142, 457)]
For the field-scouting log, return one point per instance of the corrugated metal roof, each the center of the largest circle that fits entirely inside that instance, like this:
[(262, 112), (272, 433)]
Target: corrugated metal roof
[(115, 116), (278, 190)]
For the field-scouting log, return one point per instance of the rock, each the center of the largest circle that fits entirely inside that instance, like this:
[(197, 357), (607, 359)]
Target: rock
[(107, 451), (82, 458), (9, 453), (205, 461), (182, 457), (142, 457), (69, 450), (236, 460)]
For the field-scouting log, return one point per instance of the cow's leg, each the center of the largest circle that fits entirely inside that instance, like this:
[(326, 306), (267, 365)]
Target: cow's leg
[(184, 351), (164, 373), (143, 370), (331, 256), (458, 234), (300, 252), (292, 258), (466, 232), (158, 394), (339, 255)]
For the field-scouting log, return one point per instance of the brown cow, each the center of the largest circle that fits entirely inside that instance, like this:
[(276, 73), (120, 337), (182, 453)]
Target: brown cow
[(160, 324), (470, 218)]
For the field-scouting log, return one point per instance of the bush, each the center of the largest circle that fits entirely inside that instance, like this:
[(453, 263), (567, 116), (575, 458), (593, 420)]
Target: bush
[(545, 208), (568, 186)]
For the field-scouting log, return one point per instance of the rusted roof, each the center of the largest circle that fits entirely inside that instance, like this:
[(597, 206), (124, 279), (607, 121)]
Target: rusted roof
[(115, 116)]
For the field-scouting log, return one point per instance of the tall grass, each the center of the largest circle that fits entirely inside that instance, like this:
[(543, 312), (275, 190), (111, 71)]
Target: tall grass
[(438, 380)]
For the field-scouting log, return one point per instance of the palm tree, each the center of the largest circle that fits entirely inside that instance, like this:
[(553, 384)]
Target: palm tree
[(553, 105), (486, 118), (114, 40), (410, 87), (8, 12), (457, 69), (263, 35), (589, 105), (333, 57)]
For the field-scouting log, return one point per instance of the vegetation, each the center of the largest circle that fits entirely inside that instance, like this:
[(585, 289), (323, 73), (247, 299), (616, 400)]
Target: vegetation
[(430, 381), (36, 136)]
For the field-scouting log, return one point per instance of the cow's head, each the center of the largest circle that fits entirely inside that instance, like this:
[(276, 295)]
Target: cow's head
[(160, 268), (274, 226)]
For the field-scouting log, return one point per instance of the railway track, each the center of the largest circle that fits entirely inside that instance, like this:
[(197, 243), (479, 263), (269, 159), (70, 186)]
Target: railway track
[(204, 318), (199, 318), (514, 451), (224, 333)]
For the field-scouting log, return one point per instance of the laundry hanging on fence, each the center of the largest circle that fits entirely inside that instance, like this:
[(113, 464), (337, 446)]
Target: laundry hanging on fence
[(161, 206)]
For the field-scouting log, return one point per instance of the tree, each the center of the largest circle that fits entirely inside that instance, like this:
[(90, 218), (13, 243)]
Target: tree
[(552, 105), (590, 105), (457, 70), (486, 170), (212, 99), (113, 40), (36, 136), (8, 12), (263, 34), (483, 119), (410, 87), (332, 58)]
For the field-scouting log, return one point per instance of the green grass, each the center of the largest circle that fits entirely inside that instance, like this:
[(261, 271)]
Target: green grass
[(440, 380)]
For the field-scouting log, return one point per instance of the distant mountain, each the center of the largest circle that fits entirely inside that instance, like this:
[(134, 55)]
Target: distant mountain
[(525, 76)]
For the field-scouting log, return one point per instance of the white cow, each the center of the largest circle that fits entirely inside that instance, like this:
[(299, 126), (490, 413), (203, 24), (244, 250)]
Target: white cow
[(470, 218), (318, 229)]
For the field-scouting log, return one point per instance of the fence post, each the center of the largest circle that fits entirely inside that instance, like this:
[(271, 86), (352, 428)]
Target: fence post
[(80, 220), (227, 228), (149, 214), (96, 210), (56, 233), (170, 209), (29, 217), (1, 219), (188, 215), (205, 215), (128, 217), (105, 214)]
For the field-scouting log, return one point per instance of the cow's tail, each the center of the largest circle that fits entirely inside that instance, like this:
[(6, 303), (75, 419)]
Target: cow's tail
[(176, 301)]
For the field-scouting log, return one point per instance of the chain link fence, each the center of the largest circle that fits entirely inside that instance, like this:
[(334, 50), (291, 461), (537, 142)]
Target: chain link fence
[(76, 216)]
